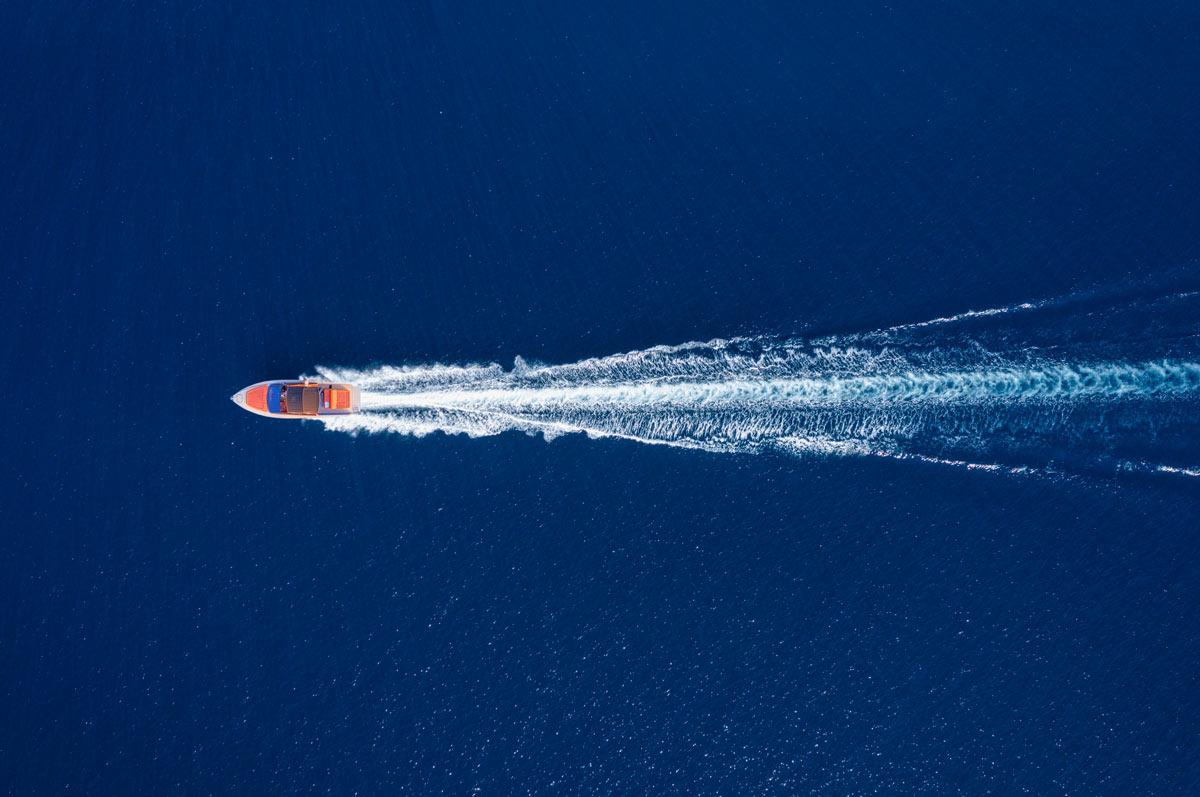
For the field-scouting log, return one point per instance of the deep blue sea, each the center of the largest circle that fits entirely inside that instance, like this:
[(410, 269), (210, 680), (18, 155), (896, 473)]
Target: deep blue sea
[(809, 585)]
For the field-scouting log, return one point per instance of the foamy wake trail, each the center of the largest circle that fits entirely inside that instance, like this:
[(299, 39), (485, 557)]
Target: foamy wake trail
[(896, 393)]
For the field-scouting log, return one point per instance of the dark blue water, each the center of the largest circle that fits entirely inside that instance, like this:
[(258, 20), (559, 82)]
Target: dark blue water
[(199, 196)]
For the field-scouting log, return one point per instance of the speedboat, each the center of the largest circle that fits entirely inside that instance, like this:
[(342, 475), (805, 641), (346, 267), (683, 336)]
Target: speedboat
[(290, 398)]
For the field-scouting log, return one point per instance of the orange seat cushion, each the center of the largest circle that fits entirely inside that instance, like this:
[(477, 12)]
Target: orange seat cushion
[(338, 399), (256, 398)]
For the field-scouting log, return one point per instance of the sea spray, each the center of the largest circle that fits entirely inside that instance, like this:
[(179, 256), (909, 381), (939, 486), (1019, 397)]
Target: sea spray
[(973, 396)]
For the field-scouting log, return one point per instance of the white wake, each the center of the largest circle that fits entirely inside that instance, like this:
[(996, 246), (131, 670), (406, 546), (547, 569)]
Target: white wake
[(892, 393)]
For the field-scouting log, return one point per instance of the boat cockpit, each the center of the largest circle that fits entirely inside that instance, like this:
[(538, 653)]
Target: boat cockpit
[(306, 399)]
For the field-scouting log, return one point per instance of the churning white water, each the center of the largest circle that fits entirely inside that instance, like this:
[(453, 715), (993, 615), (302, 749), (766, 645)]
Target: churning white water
[(894, 393)]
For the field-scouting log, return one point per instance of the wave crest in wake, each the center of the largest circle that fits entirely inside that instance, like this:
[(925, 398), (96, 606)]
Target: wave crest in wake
[(978, 395)]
